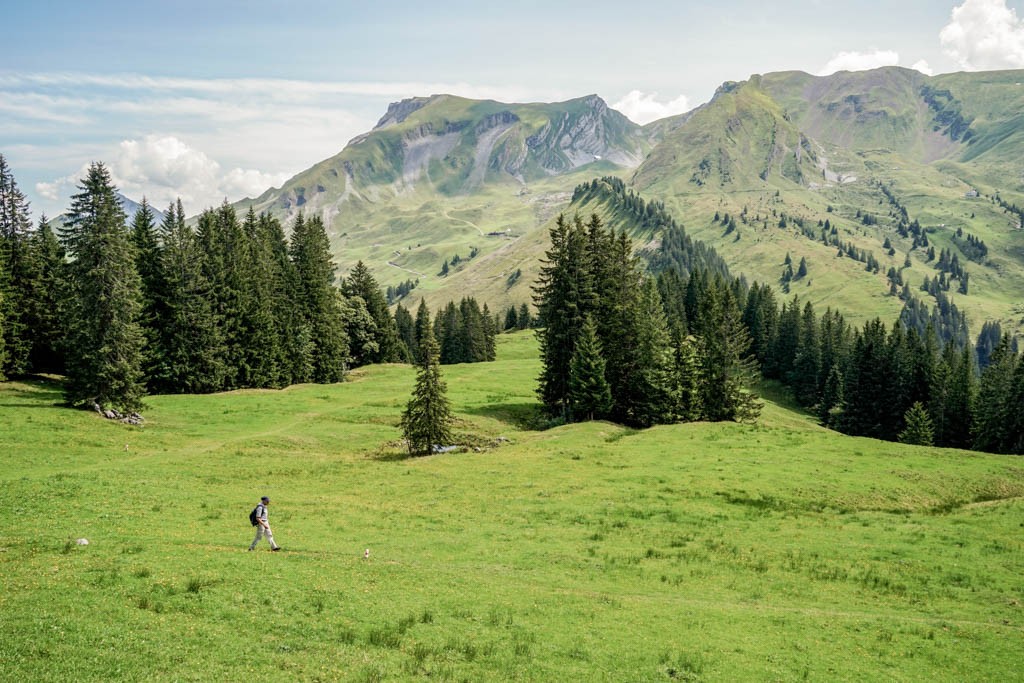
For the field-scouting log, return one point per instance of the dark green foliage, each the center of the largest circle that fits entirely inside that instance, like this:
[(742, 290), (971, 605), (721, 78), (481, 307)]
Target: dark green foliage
[(320, 302), (728, 371), (45, 303), (590, 397), (406, 327), (564, 297), (804, 377), (17, 268), (465, 332), (360, 283), (147, 262), (995, 412), (427, 419), (190, 356), (645, 396), (918, 430), (104, 340), (868, 388)]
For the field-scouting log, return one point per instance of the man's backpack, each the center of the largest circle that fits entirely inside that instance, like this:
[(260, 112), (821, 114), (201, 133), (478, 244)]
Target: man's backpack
[(252, 516)]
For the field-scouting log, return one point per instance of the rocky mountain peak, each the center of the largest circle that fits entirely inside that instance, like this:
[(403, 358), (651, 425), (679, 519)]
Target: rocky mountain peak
[(400, 111)]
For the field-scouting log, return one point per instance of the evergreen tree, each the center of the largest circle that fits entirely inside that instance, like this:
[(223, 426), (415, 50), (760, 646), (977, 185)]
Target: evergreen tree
[(687, 378), (647, 393), (830, 407), (918, 429), (422, 328), (729, 372), (314, 272), (190, 353), (291, 357), (590, 396), (804, 377), (564, 296), (362, 284), (960, 400), (147, 263), (993, 413), (427, 419), (406, 331), (1013, 442), (16, 274), (105, 341), (46, 303), (867, 388), (524, 320)]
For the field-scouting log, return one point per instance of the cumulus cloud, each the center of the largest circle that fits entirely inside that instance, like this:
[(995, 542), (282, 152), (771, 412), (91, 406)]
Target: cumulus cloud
[(239, 136), (643, 108), (49, 191), (164, 168), (860, 61), (984, 35), (923, 66)]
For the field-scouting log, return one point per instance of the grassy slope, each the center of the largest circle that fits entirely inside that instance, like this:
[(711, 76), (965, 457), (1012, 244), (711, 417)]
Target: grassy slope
[(888, 140), (585, 552)]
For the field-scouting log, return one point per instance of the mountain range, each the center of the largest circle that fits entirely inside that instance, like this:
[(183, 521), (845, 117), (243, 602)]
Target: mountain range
[(898, 163)]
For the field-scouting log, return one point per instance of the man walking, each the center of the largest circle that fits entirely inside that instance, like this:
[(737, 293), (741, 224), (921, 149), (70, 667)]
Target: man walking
[(263, 527)]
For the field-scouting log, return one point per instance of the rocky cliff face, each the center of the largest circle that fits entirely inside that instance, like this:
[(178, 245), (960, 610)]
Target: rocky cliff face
[(455, 146)]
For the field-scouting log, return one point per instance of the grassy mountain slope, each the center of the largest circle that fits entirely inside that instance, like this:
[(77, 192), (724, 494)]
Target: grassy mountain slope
[(715, 552), (815, 149), (438, 174)]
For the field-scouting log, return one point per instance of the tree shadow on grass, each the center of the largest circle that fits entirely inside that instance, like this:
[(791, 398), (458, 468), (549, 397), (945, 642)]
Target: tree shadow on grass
[(33, 392), (527, 416)]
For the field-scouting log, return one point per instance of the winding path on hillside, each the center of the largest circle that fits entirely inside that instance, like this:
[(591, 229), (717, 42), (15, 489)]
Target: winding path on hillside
[(444, 212)]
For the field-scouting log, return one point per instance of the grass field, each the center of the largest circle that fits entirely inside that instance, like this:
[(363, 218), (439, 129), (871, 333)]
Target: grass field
[(778, 551)]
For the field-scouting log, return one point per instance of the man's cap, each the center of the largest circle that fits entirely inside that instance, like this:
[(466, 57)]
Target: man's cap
[(265, 499)]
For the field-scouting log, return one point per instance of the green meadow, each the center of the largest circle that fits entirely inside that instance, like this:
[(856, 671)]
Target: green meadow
[(720, 552)]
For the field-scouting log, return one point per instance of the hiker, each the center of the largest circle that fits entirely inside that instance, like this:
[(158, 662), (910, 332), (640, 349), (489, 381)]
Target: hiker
[(262, 526)]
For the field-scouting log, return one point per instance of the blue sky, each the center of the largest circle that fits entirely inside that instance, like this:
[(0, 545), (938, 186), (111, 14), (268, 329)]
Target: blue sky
[(207, 100)]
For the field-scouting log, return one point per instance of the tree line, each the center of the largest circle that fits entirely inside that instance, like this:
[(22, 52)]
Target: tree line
[(122, 310), (617, 344)]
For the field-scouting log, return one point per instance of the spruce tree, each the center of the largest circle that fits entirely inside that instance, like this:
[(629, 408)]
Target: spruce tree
[(46, 303), (362, 284), (647, 392), (589, 394), (427, 419), (311, 256), (804, 377), (687, 377), (993, 410), (918, 430), (422, 328), (406, 330), (190, 354), (16, 273), (104, 364), (147, 262), (564, 296)]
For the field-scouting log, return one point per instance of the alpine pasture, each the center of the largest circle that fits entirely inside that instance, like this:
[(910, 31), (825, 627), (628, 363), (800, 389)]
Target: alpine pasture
[(774, 551)]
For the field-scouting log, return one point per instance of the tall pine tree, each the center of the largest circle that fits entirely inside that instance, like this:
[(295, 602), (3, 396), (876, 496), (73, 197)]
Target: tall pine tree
[(104, 360)]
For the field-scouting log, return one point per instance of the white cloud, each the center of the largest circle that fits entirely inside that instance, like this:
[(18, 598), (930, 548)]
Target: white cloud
[(256, 131), (984, 35), (49, 191), (860, 61), (643, 107), (923, 66), (164, 168)]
